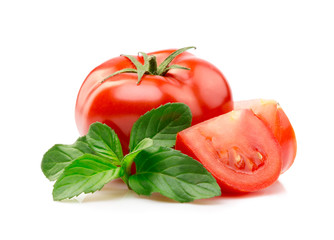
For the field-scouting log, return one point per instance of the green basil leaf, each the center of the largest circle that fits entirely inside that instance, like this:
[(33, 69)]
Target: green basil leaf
[(172, 174), (105, 142), (128, 159), (161, 125), (85, 174), (60, 156)]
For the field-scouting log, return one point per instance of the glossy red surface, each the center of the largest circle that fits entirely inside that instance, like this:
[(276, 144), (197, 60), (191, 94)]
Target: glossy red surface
[(119, 101)]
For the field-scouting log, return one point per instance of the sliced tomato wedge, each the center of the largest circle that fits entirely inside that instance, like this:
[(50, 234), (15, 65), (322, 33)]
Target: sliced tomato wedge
[(238, 149), (273, 115)]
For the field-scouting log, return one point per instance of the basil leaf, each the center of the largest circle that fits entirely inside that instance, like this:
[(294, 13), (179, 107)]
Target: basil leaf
[(128, 159), (60, 156), (86, 174), (105, 142), (161, 125), (172, 174)]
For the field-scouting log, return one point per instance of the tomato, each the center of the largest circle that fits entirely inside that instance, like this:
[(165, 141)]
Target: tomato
[(120, 100), (273, 115), (238, 149)]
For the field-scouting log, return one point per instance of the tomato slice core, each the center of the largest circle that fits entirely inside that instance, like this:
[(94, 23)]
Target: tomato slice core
[(244, 162), (237, 148)]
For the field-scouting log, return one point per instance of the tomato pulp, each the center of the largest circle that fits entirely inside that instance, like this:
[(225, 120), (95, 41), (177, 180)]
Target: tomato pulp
[(119, 101), (238, 149), (273, 115)]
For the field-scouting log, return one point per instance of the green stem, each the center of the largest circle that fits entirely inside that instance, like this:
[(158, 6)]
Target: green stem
[(150, 65)]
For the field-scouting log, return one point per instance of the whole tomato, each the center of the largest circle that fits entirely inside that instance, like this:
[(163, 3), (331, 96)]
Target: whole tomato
[(122, 89)]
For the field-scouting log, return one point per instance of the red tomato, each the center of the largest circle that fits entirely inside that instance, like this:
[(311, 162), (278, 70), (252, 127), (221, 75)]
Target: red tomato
[(238, 149), (273, 115), (119, 101)]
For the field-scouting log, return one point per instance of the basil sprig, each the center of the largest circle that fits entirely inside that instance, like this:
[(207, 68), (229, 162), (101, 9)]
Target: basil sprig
[(97, 158)]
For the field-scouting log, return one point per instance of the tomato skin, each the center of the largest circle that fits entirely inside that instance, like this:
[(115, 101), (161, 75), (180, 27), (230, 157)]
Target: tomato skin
[(287, 140), (237, 148), (273, 115), (119, 101)]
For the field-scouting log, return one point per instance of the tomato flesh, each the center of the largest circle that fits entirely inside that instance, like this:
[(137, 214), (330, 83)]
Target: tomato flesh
[(273, 115), (237, 148)]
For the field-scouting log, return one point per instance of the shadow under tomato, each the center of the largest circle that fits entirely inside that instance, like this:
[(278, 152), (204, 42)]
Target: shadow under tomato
[(158, 198), (113, 190), (276, 188), (117, 190)]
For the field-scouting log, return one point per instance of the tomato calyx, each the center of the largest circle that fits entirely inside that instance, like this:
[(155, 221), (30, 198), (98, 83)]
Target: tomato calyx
[(150, 65)]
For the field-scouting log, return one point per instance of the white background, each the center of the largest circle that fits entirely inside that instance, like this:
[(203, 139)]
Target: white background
[(282, 50)]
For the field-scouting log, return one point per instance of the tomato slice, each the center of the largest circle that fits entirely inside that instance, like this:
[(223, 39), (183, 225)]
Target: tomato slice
[(238, 149), (273, 115)]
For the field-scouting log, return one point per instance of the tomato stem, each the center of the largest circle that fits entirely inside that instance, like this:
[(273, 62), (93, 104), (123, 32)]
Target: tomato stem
[(150, 66)]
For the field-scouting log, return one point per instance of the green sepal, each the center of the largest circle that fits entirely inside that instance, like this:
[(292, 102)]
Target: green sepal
[(174, 66), (150, 66), (125, 70), (164, 65)]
